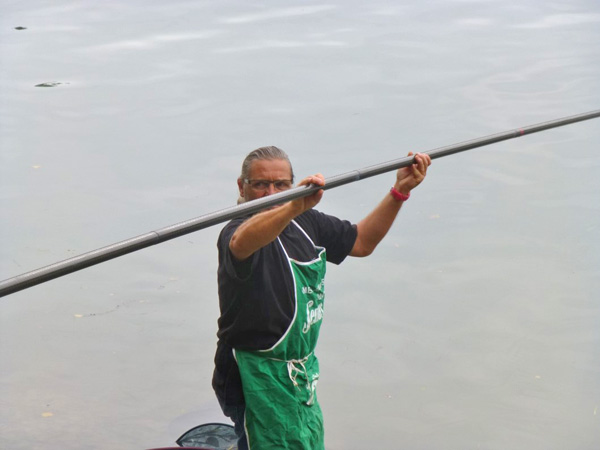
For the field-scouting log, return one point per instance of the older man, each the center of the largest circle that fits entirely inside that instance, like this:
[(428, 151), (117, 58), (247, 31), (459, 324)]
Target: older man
[(271, 292)]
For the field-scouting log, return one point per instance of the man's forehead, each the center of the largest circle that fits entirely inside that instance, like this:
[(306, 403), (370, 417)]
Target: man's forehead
[(270, 164)]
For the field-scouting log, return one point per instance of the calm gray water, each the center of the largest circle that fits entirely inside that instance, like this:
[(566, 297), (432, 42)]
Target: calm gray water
[(475, 325)]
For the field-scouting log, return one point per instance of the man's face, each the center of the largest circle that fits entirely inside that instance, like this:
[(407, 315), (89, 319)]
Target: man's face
[(267, 177)]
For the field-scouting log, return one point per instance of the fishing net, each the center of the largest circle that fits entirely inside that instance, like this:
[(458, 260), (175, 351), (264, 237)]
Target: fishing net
[(210, 436)]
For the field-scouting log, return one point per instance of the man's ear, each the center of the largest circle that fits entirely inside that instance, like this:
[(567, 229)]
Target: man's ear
[(240, 183)]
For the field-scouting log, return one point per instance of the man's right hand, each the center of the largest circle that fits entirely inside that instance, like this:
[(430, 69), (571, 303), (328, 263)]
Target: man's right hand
[(305, 203)]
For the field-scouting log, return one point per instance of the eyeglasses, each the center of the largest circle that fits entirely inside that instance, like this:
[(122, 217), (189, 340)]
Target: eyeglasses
[(263, 185)]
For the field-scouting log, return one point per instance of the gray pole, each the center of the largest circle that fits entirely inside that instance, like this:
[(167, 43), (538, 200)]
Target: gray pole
[(76, 263)]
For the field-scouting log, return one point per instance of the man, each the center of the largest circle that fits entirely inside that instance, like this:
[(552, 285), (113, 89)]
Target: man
[(271, 292)]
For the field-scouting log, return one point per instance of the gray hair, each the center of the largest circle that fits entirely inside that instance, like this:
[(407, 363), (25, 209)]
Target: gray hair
[(262, 153)]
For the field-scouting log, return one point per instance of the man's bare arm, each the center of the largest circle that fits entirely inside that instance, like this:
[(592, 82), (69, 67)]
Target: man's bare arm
[(373, 228)]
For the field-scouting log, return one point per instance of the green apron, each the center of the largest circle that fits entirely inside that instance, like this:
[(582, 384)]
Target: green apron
[(280, 383)]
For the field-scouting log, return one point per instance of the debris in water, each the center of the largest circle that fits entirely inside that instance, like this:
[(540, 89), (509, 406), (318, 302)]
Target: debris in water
[(20, 28), (49, 84)]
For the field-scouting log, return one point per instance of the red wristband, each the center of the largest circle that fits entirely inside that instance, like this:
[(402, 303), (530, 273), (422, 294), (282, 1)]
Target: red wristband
[(399, 195)]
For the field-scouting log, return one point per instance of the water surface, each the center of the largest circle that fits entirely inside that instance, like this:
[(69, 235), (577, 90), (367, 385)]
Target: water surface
[(474, 325)]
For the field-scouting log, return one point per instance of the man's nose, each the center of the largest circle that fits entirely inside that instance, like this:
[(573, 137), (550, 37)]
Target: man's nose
[(271, 189)]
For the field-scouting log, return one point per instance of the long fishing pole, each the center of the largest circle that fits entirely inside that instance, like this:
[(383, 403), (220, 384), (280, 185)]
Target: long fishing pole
[(94, 257)]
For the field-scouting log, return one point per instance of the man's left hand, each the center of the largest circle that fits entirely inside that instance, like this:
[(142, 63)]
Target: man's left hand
[(408, 178)]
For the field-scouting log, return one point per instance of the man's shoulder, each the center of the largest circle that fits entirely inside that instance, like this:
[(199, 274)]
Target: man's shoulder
[(336, 235), (314, 216), (319, 219), (231, 226), (321, 225)]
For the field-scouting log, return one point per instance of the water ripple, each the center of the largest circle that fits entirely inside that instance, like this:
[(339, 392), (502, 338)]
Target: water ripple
[(271, 44), (278, 14), (153, 41), (559, 20)]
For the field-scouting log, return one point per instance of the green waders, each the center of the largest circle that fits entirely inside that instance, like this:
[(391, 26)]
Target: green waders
[(282, 411)]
